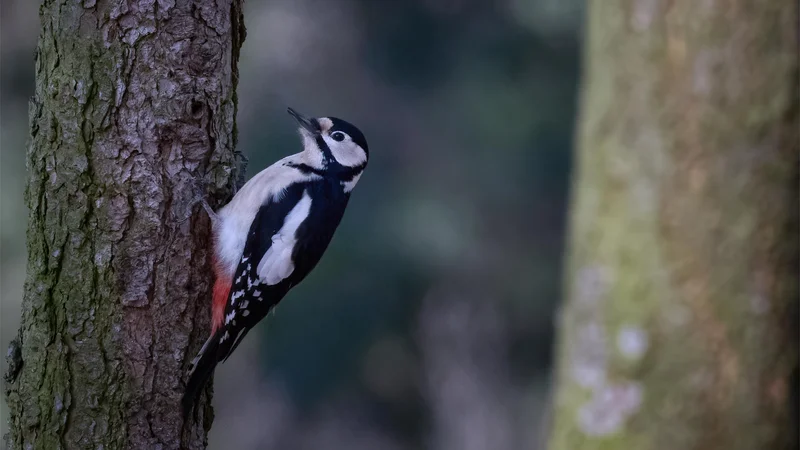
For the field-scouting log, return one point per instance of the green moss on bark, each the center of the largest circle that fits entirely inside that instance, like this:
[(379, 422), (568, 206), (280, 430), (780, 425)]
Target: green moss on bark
[(682, 277)]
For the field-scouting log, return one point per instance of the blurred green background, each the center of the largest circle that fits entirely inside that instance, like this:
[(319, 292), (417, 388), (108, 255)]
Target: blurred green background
[(429, 322)]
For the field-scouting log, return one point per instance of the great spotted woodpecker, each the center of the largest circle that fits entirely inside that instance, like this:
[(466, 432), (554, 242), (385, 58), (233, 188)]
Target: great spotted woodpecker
[(273, 232)]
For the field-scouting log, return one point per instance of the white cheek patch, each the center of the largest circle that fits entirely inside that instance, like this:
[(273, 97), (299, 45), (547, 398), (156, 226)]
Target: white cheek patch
[(276, 264), (347, 152)]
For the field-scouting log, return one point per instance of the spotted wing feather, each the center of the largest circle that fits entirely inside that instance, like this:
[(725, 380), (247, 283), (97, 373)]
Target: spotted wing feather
[(260, 281), (251, 297)]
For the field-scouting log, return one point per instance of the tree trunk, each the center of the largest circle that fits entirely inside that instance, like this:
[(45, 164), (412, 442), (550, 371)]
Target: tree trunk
[(682, 279), (133, 117)]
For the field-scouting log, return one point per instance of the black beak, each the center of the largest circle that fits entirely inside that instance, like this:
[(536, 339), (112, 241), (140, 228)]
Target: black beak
[(310, 125)]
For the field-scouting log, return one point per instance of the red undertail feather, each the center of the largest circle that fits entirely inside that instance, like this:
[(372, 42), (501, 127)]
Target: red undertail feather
[(222, 287)]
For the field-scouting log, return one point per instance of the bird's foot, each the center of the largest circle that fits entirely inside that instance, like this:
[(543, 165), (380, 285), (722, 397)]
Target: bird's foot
[(199, 199)]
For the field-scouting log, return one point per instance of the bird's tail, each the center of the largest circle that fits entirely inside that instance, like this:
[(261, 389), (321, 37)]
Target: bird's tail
[(200, 371)]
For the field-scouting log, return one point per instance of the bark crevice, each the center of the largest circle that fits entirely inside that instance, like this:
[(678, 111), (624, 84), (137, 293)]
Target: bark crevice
[(118, 283)]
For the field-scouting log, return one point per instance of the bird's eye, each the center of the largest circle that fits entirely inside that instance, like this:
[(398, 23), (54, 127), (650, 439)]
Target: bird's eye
[(338, 136)]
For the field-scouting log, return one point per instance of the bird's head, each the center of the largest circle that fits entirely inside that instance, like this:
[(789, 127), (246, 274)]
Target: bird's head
[(332, 141)]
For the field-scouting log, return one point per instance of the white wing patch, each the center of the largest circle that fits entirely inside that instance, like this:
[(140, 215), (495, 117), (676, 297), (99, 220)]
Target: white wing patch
[(277, 262)]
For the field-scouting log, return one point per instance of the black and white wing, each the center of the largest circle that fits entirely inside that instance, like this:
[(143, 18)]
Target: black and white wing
[(263, 276), (262, 279)]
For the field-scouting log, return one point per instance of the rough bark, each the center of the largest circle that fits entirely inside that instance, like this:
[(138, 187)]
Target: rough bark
[(132, 118), (682, 278)]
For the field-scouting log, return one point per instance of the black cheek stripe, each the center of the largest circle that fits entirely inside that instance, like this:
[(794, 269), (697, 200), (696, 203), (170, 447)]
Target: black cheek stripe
[(326, 151)]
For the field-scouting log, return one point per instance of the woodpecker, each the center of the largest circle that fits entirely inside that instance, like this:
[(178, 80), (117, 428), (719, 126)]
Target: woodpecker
[(273, 232)]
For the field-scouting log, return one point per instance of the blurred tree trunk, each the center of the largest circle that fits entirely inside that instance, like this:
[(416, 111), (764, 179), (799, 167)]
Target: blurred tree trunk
[(679, 330), (133, 115)]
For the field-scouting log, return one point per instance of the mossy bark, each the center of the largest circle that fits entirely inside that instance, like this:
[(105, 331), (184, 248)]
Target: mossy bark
[(133, 117), (678, 331)]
